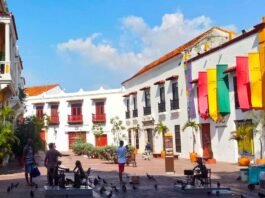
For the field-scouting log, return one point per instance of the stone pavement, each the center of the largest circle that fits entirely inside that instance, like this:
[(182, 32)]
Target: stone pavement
[(225, 173)]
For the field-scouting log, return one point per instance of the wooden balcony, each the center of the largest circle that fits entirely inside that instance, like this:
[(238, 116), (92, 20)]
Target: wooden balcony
[(135, 113), (127, 114), (99, 117), (147, 111), (161, 107), (54, 120), (75, 119), (174, 104)]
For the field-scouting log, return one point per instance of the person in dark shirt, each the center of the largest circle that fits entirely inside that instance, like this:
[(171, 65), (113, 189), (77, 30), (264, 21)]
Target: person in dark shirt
[(51, 163), (79, 170), (200, 172)]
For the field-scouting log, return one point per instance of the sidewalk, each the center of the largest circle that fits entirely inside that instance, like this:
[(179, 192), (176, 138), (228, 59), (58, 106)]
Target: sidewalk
[(225, 173)]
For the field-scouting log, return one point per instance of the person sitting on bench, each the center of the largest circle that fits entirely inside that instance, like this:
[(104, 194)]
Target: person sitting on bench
[(200, 172)]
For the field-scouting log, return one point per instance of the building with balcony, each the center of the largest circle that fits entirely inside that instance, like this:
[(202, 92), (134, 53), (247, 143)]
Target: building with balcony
[(73, 115), (160, 95)]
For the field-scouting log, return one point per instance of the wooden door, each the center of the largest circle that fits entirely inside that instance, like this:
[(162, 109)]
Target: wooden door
[(101, 140), (72, 136), (206, 141)]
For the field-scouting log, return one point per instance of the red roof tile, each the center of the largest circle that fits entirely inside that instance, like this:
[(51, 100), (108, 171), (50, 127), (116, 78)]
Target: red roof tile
[(172, 77), (37, 90), (172, 53), (159, 82), (144, 88)]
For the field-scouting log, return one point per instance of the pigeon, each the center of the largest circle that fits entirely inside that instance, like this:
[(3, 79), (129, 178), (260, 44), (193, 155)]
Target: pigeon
[(150, 177), (218, 184), (217, 193), (155, 186), (104, 181), (115, 188), (134, 187), (209, 193), (31, 194), (36, 186), (8, 189), (88, 171), (16, 184), (99, 178), (96, 182), (12, 186), (241, 196), (124, 189), (110, 194), (102, 190)]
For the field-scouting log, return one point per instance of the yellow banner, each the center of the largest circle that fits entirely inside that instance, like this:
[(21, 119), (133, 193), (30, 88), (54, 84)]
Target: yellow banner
[(212, 93), (255, 74)]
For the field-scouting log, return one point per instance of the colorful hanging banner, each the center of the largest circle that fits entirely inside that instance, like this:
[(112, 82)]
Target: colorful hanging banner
[(262, 57), (203, 95), (255, 80), (189, 90), (212, 93), (243, 84), (223, 90)]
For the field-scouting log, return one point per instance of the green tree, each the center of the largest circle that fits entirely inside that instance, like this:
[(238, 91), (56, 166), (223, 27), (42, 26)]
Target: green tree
[(243, 134), (7, 137), (258, 121), (30, 128), (161, 128), (194, 128), (117, 129)]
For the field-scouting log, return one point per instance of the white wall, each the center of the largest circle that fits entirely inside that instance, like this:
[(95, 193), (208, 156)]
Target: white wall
[(113, 100), (223, 148)]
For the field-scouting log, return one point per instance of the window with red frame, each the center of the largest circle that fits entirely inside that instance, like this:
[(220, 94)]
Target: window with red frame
[(100, 108), (76, 109), (39, 111), (54, 110)]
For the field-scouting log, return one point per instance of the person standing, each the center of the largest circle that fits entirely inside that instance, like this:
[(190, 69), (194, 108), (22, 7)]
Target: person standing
[(121, 153), (29, 160), (51, 163)]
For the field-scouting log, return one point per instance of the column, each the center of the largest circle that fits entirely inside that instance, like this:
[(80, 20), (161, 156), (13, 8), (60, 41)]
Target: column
[(7, 42)]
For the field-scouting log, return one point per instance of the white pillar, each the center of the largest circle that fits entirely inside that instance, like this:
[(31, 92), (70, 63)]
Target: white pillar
[(7, 42)]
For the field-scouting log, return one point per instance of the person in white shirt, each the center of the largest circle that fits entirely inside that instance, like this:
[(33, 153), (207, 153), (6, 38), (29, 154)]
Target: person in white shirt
[(121, 152)]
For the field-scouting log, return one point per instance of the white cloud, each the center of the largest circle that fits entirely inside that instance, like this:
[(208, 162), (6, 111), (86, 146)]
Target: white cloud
[(139, 43)]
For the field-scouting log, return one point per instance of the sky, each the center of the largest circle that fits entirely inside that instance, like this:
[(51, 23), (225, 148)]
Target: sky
[(91, 43)]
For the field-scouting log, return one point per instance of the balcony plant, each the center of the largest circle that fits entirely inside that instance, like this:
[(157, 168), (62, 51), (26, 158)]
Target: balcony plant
[(242, 134), (194, 128), (161, 128)]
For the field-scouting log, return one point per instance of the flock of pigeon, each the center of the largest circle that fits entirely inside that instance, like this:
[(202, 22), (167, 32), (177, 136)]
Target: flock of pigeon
[(98, 184), (104, 188)]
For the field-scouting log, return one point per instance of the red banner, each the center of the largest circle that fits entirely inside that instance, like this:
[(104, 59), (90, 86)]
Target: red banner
[(243, 83), (203, 95)]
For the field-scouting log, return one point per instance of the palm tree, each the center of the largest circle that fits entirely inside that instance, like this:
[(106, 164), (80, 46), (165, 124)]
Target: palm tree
[(7, 137), (161, 128), (194, 127), (243, 132)]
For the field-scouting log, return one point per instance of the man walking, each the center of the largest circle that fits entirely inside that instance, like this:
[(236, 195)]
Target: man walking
[(29, 161), (121, 152)]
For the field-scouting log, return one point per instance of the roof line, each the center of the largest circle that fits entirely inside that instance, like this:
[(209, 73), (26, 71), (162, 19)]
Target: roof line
[(234, 40), (173, 53)]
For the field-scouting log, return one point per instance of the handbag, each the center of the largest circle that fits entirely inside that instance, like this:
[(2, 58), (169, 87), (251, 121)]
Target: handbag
[(35, 171)]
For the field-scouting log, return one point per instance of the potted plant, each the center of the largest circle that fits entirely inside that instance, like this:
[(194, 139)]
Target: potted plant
[(258, 119), (161, 128), (194, 128), (243, 133)]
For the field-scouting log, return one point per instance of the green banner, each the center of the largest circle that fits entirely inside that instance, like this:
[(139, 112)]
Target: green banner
[(223, 90)]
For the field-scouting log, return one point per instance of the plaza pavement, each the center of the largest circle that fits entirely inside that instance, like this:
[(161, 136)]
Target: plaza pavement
[(225, 173)]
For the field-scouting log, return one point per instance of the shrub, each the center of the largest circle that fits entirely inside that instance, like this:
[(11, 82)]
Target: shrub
[(78, 147)]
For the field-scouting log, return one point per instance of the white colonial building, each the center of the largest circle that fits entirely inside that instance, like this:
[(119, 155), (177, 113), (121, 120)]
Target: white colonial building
[(157, 94), (73, 114)]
